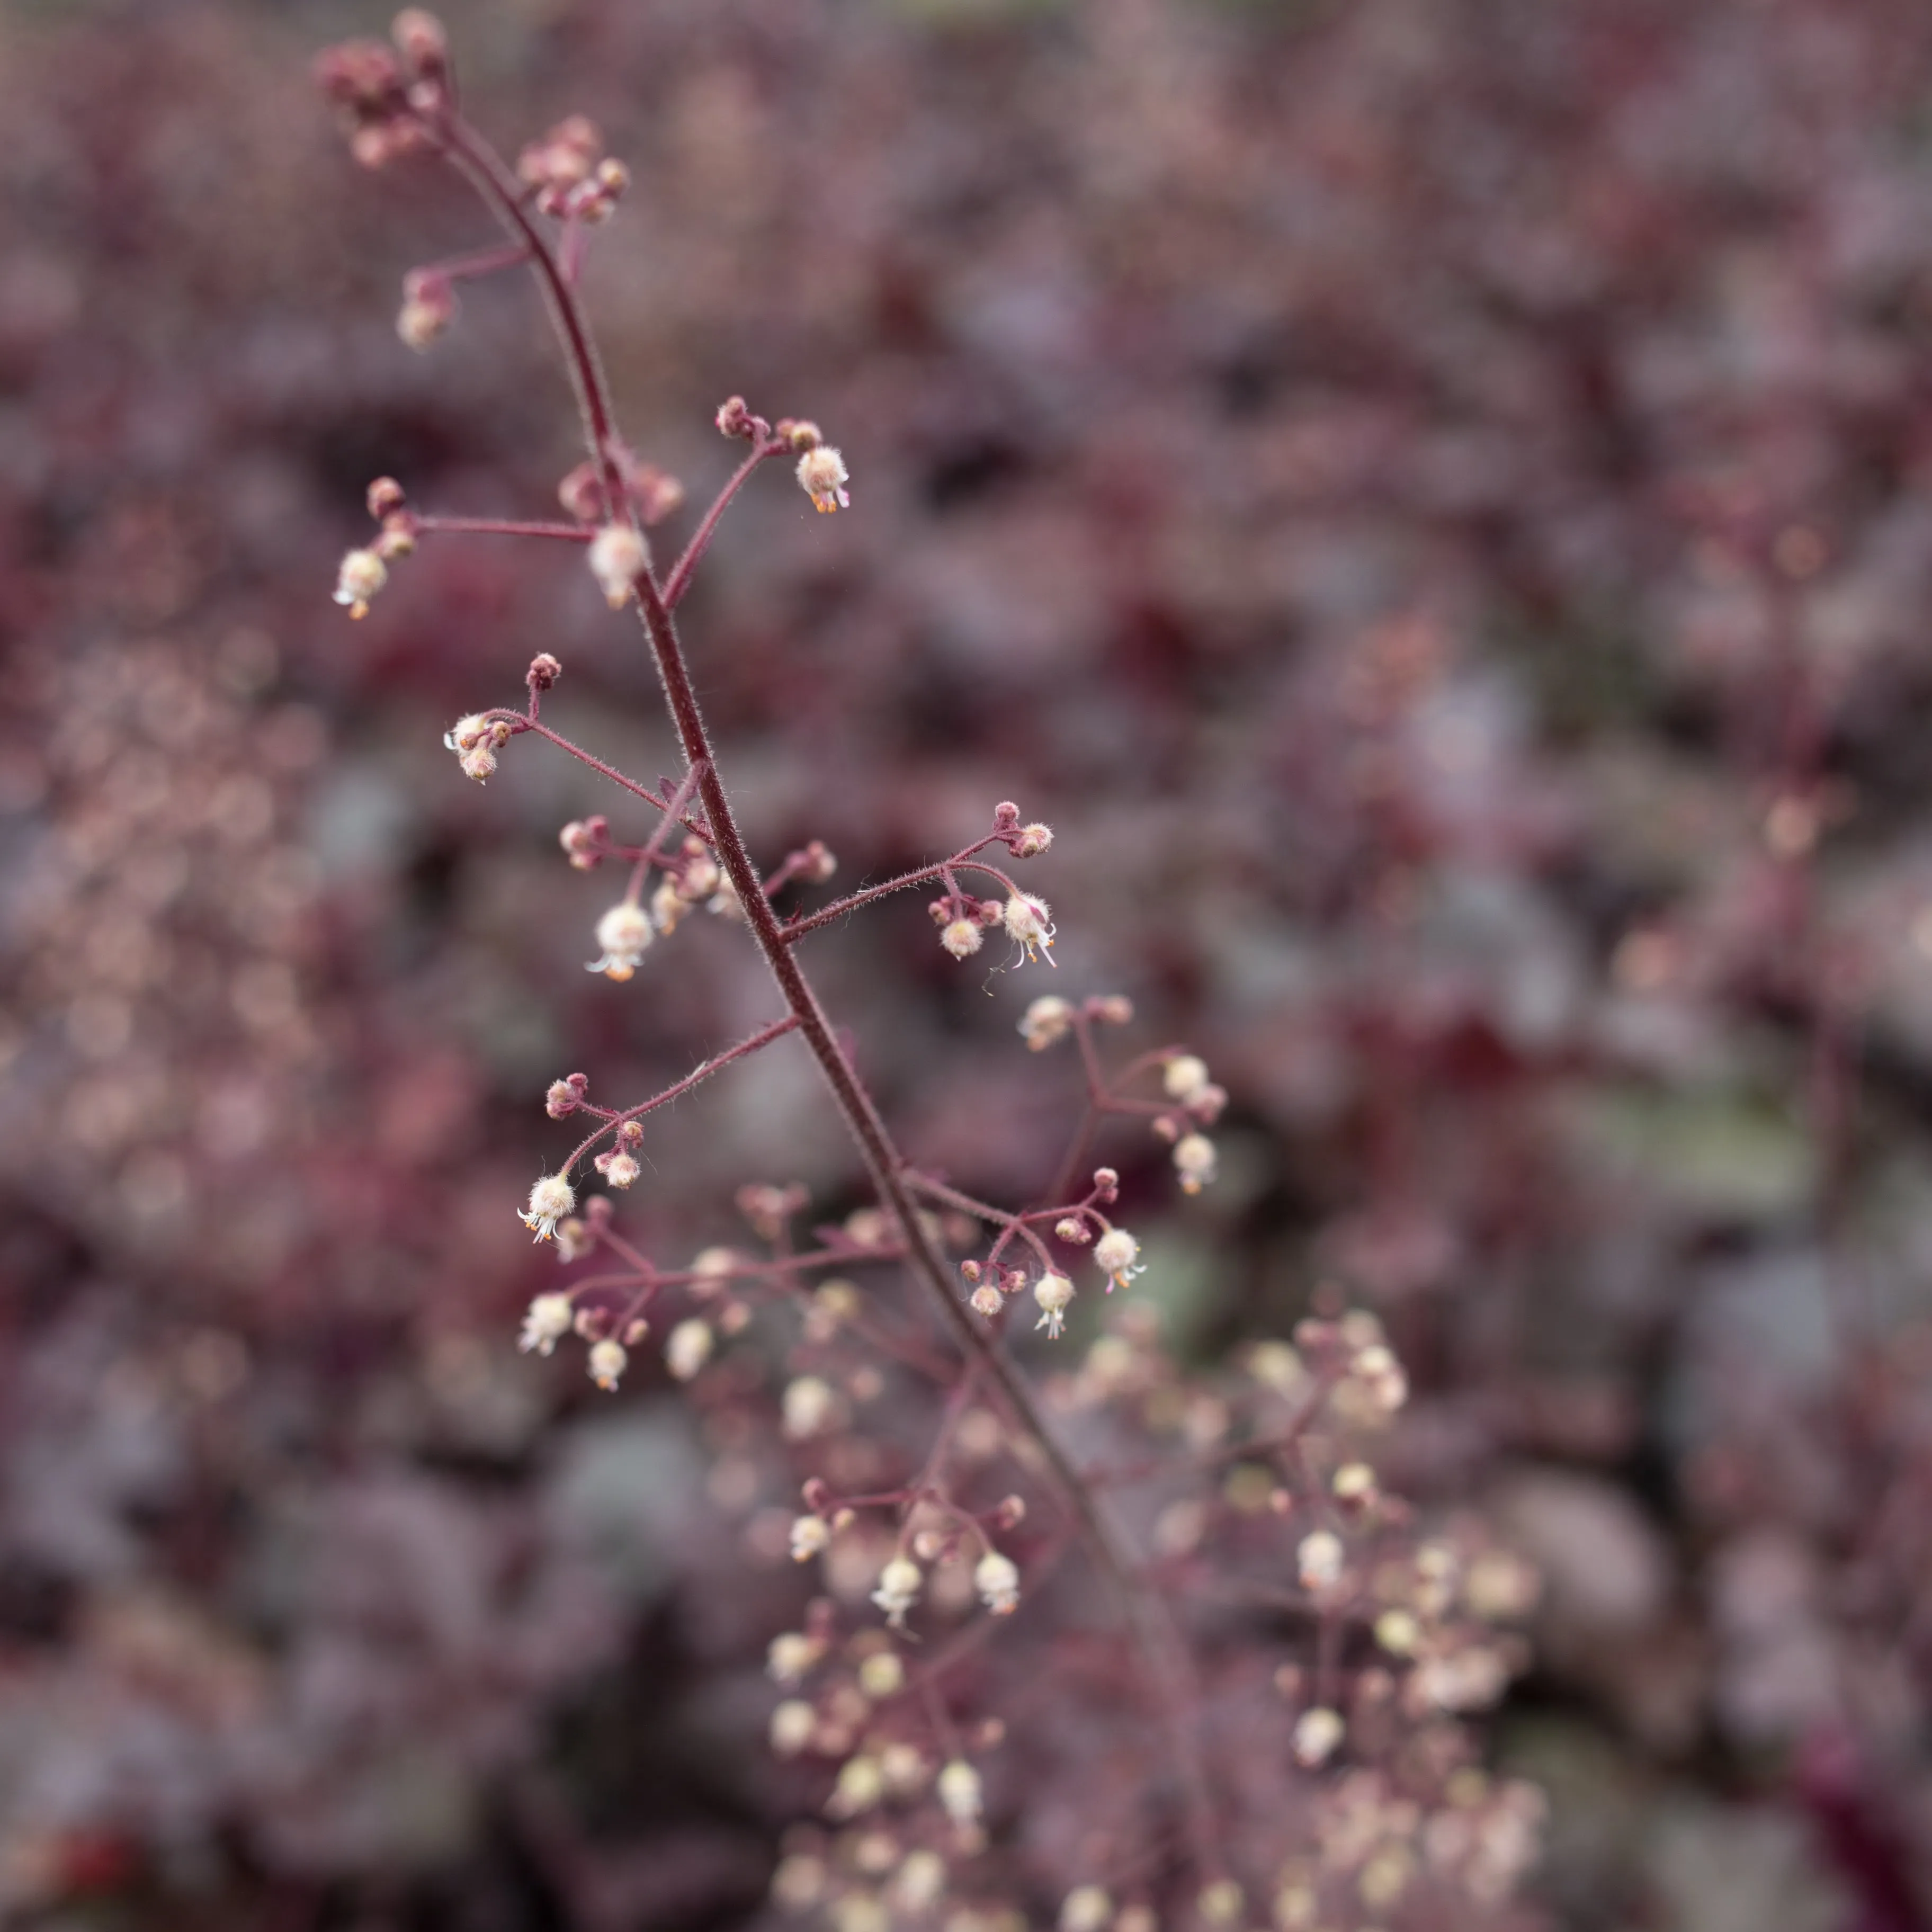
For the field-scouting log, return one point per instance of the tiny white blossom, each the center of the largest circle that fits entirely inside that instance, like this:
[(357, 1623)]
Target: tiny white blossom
[(551, 1198), (625, 933), (619, 1168), (899, 1583), (1029, 925), (809, 1535), (882, 1675), (608, 1361), (1317, 1733), (1049, 1018), (1194, 1160), (1319, 1560), (546, 1321), (986, 1300), (809, 1406), (1115, 1252), (1033, 840), (959, 1792), (822, 476), (861, 1784), (687, 1348), (360, 575), (961, 937), (1087, 1908), (1052, 1292), (617, 559), (793, 1723), (919, 1883), (996, 1578), (1185, 1077), (789, 1655)]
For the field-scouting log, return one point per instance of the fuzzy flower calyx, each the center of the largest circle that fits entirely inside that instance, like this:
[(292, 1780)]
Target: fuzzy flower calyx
[(961, 937), (899, 1584), (546, 1321), (619, 1168), (822, 476), (687, 1348), (608, 1360), (1049, 1018), (1185, 1077), (1029, 925), (360, 575), (959, 1792), (617, 559), (551, 1198), (1116, 1251), (1053, 1292), (1194, 1161), (996, 1578), (1317, 1733), (625, 933)]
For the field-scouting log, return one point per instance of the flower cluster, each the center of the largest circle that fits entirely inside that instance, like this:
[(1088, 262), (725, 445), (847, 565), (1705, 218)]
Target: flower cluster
[(918, 1532)]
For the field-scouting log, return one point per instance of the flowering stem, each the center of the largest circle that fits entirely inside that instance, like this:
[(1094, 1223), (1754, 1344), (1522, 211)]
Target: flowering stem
[(1148, 1617), (678, 581), (653, 852), (483, 261), (500, 526), (762, 1037), (797, 929), (983, 1211), (524, 722)]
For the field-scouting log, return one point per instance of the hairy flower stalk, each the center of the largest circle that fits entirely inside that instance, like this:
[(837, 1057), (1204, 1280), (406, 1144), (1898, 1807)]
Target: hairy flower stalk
[(1153, 1632), (702, 857)]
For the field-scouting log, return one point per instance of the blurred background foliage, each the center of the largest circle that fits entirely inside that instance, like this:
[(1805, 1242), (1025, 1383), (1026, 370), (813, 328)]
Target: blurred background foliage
[(1430, 500)]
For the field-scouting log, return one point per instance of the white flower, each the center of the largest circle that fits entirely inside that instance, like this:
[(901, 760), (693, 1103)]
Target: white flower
[(360, 575), (1115, 1252), (996, 1578), (618, 559), (793, 1723), (687, 1348), (467, 733), (986, 1300), (809, 1406), (809, 1535), (625, 933), (1185, 1077), (1033, 840), (958, 1787), (899, 1589), (1049, 1018), (882, 1675), (861, 1784), (607, 1363), (961, 938), (1029, 926), (1052, 1292), (1194, 1161), (619, 1168), (546, 1321), (1319, 1560), (551, 1198), (1087, 1908), (1317, 1733), (822, 475), (788, 1657), (919, 1883)]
